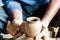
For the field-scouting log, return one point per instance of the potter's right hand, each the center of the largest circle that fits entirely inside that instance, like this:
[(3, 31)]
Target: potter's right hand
[(16, 24), (17, 20)]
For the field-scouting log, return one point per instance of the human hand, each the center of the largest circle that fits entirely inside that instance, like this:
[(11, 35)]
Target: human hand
[(44, 29), (45, 23), (16, 25), (17, 20), (14, 30), (43, 32)]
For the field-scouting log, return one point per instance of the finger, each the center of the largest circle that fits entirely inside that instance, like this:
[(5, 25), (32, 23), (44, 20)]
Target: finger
[(16, 31), (17, 22), (18, 34)]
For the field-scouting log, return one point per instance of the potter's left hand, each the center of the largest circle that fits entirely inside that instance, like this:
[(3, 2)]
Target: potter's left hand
[(44, 30)]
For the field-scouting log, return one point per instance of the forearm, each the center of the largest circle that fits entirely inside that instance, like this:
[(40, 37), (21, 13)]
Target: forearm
[(14, 8), (17, 17), (51, 11)]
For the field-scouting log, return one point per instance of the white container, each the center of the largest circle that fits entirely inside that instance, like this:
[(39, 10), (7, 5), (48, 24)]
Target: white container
[(33, 26)]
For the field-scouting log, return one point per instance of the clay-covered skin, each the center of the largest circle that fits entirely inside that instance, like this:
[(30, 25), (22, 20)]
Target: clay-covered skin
[(17, 20), (14, 30)]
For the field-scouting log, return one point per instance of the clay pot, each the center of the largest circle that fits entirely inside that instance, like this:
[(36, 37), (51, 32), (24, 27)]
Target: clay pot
[(33, 26)]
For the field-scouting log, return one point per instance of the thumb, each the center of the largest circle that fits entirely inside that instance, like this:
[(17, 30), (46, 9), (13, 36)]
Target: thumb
[(17, 22)]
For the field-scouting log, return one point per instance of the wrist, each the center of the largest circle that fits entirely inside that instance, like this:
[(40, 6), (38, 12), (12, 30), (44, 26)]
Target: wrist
[(18, 21), (16, 14), (45, 23)]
